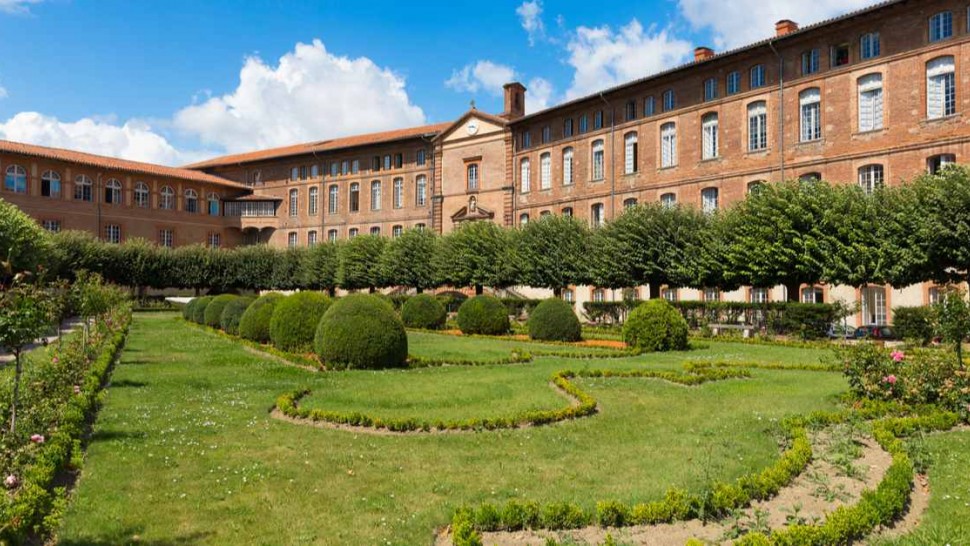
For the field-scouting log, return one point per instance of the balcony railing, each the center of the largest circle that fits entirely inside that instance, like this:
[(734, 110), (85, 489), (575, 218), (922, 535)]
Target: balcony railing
[(251, 209)]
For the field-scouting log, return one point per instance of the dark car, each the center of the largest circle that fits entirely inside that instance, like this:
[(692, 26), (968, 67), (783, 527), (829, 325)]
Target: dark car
[(841, 331), (875, 332)]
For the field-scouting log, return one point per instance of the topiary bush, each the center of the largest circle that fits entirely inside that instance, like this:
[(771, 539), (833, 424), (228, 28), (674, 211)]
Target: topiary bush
[(655, 325), (361, 331), (198, 312), (295, 320), (554, 320), (254, 324), (914, 324), (483, 315), (213, 311), (423, 311), (188, 308), (232, 314)]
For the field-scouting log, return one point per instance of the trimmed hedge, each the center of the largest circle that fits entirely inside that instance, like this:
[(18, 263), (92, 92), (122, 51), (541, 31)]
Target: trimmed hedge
[(188, 308), (484, 315), (295, 320), (423, 311), (198, 311), (554, 320), (655, 326), (914, 324), (213, 311), (232, 314), (254, 324), (361, 331)]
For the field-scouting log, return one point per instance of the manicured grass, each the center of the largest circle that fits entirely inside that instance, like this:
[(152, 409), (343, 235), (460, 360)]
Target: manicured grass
[(185, 451)]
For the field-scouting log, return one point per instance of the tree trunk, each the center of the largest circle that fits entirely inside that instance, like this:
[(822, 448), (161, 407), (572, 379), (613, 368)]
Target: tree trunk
[(332, 291), (557, 292), (479, 290), (654, 288), (16, 391), (371, 290), (418, 290), (792, 290)]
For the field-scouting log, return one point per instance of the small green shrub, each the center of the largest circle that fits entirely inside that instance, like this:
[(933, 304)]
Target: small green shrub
[(213, 311), (483, 315), (914, 324), (232, 314), (254, 324), (361, 331), (189, 308), (423, 311), (198, 312), (295, 320), (554, 320), (655, 326)]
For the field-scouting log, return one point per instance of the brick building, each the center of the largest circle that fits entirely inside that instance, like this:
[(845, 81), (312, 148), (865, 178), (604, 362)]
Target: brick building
[(874, 97)]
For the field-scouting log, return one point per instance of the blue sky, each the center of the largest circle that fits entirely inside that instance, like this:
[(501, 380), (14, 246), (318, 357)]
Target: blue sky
[(176, 81)]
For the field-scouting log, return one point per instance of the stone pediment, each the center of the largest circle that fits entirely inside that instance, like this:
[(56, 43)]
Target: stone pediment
[(471, 213)]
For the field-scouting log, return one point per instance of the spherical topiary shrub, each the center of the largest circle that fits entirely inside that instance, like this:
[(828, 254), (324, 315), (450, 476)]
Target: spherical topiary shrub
[(554, 320), (295, 320), (213, 311), (198, 312), (254, 324), (232, 314), (361, 331), (655, 326), (188, 308), (423, 311), (484, 315)]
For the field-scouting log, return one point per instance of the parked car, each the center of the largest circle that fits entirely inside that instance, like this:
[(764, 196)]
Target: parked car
[(841, 331), (875, 332)]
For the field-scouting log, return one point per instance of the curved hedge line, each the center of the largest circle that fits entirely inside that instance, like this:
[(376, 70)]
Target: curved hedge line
[(232, 314), (423, 311), (295, 320), (198, 310), (484, 315), (554, 320), (254, 323), (213, 311), (361, 331)]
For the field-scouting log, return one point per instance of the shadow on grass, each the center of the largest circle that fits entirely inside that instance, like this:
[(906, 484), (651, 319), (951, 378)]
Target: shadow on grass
[(128, 383), (131, 536), (111, 435)]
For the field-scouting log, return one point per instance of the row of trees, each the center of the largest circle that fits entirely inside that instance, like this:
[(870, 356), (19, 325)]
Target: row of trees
[(783, 234)]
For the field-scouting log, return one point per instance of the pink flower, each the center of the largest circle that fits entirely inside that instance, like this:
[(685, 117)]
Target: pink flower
[(77, 389), (898, 356), (891, 379), (11, 481), (37, 438), (55, 360)]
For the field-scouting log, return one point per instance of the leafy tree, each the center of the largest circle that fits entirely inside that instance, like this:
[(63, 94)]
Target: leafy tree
[(408, 260), (953, 317), (190, 267), (26, 312), (319, 267), (77, 251), (553, 252), (477, 254), (856, 249), (24, 245), (287, 268), (254, 266), (359, 264), (940, 219)]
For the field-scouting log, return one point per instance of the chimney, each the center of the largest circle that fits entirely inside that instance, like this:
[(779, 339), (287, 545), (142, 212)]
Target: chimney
[(785, 26), (702, 54), (514, 101)]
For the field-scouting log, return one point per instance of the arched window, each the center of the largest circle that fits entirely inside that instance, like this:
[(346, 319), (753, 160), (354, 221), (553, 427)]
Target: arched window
[(597, 216), (870, 178), (311, 238), (420, 190), (709, 133), (668, 200), (599, 170), (709, 197), (567, 166), (375, 231), (629, 203), (941, 88), (810, 101), (291, 239), (354, 197), (166, 198), (112, 192), (294, 202), (332, 235), (630, 156), (16, 179), (352, 232), (213, 204), (810, 178), (599, 295), (545, 171), (396, 231), (82, 188), (567, 211), (941, 26), (939, 162), (757, 126), (398, 196), (870, 102), (523, 219), (545, 213), (50, 185), (631, 110), (314, 198), (525, 182), (668, 145), (471, 176), (142, 195), (568, 295), (755, 186), (333, 199), (375, 195), (191, 201)]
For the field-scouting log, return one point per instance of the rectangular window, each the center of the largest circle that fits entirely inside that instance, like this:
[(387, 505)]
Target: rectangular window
[(630, 153), (840, 55), (398, 197), (291, 239), (419, 157), (649, 106), (334, 169), (166, 238), (811, 115), (710, 89), (869, 47), (668, 145), (314, 201), (567, 167), (294, 203), (294, 173), (709, 200), (757, 127), (526, 140), (810, 61), (757, 76), (631, 110), (344, 167), (355, 166), (398, 161), (303, 172), (709, 130), (597, 217), (940, 88), (941, 26), (870, 103), (733, 83), (53, 226), (598, 160), (333, 199), (598, 120), (387, 162), (546, 134), (311, 238), (525, 182), (669, 100), (214, 240), (421, 191), (112, 233), (332, 235), (545, 171), (375, 163), (567, 127), (583, 123)]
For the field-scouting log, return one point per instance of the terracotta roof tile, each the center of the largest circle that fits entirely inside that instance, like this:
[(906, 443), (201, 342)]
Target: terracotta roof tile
[(321, 146), (112, 163)]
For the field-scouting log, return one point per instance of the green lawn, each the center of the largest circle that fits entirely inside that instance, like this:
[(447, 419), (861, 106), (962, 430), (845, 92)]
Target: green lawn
[(185, 451)]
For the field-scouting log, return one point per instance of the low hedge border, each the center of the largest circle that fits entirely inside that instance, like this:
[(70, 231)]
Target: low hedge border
[(517, 357), (582, 404), (693, 365), (295, 359), (842, 526), (35, 511), (593, 352), (757, 340)]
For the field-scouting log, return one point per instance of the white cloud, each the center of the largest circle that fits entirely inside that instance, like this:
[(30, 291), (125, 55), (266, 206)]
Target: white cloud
[(530, 15), (18, 7), (741, 22), (482, 75), (3, 92), (603, 58), (310, 94), (134, 139), (539, 96)]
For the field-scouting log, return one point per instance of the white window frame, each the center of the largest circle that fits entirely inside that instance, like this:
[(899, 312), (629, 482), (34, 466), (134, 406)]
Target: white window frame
[(112, 233), (398, 193), (420, 191), (668, 145), (870, 102), (871, 177), (668, 200), (52, 178), (757, 76), (940, 87), (567, 166), (113, 185), (870, 46), (757, 126), (598, 157), (313, 198), (525, 175), (810, 114), (166, 198), (333, 199), (597, 215), (709, 200), (941, 26), (709, 136), (630, 155), (376, 194), (545, 171), (143, 196)]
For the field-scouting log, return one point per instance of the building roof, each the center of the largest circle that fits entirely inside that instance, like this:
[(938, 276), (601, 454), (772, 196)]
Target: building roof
[(743, 49), (322, 146), (113, 163), (472, 112), (258, 197)]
